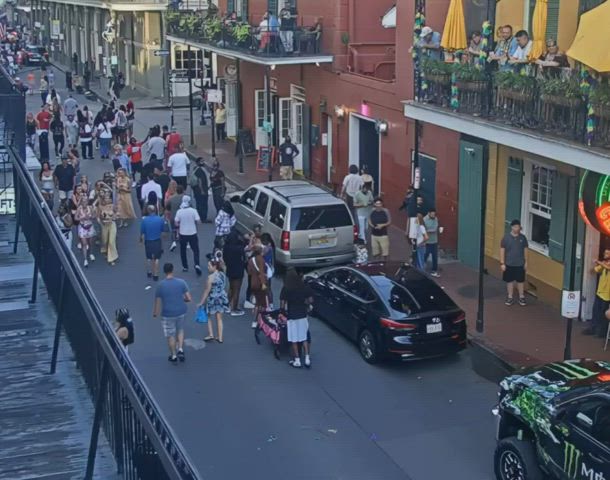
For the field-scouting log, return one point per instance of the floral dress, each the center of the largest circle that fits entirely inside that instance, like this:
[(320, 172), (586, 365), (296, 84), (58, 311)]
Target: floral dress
[(217, 301)]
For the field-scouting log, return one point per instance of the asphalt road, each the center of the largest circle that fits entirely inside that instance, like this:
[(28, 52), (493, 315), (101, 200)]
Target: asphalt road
[(242, 414)]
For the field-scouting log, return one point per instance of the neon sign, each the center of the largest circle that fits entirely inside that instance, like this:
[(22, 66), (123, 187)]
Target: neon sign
[(594, 201)]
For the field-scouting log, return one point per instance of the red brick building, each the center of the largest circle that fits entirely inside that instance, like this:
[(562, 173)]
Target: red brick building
[(332, 98)]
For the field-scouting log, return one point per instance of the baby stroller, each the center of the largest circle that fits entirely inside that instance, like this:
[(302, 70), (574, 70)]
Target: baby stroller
[(274, 325)]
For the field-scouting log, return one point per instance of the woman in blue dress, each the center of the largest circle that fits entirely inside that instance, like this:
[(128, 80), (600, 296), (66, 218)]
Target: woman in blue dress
[(215, 298)]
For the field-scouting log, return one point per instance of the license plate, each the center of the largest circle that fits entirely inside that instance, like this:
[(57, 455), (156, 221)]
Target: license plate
[(434, 328), (319, 242)]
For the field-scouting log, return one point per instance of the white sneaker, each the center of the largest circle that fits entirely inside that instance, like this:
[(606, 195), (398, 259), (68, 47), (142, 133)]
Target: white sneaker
[(79, 246), (237, 313), (173, 247), (85, 263), (435, 274), (296, 363), (307, 361), (92, 257), (254, 325), (248, 304)]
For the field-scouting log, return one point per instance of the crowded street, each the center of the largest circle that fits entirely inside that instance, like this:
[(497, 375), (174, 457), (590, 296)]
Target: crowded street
[(237, 410)]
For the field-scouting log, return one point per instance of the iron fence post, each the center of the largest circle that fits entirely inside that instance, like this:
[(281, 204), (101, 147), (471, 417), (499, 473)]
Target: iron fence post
[(97, 420), (60, 314), (36, 268)]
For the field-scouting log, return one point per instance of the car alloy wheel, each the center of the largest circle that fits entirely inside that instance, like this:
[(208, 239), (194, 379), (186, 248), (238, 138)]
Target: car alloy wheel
[(367, 346), (511, 466)]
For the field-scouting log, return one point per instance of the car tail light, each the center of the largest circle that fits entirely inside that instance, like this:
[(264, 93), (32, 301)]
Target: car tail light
[(393, 325), (285, 242), (356, 232), (460, 318), (604, 377)]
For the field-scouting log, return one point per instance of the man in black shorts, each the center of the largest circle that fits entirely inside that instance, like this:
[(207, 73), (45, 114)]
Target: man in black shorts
[(513, 262), (151, 229)]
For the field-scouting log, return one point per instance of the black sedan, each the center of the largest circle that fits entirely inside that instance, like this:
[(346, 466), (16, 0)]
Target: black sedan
[(389, 309)]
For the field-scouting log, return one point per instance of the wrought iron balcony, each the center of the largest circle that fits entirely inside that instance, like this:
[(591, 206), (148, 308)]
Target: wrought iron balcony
[(563, 103)]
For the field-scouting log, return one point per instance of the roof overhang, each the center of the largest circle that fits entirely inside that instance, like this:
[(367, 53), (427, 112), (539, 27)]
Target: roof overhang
[(267, 61), (528, 141), (116, 6), (389, 18)]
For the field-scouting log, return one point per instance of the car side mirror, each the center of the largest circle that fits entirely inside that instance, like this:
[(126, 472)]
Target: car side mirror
[(584, 421), (235, 199)]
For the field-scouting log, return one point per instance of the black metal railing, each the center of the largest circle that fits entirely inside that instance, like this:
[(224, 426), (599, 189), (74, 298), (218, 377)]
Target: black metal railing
[(555, 105), (142, 441), (245, 38)]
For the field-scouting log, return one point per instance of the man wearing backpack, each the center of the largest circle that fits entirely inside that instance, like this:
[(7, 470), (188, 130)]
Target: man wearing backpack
[(198, 181)]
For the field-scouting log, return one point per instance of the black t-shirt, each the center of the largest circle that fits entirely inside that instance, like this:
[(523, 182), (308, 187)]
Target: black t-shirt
[(216, 179), (57, 128), (203, 181), (235, 260), (65, 177), (378, 217), (296, 307), (163, 180), (287, 153)]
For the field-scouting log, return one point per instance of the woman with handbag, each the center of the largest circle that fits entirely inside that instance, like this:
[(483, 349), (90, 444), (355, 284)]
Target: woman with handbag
[(214, 297), (258, 280)]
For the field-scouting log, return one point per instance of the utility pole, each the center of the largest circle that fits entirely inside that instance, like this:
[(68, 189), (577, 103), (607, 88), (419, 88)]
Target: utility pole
[(268, 118), (480, 325), (213, 130), (190, 77)]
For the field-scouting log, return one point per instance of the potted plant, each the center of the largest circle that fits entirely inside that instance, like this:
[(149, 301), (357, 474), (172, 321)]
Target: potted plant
[(241, 34), (600, 100), (469, 77), (212, 28), (436, 71), (556, 91), (515, 86)]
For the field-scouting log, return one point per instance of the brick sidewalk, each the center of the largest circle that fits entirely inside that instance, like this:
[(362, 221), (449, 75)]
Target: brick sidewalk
[(517, 335)]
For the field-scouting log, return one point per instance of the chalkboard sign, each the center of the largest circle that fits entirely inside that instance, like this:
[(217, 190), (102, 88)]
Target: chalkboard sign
[(245, 143), (265, 158)]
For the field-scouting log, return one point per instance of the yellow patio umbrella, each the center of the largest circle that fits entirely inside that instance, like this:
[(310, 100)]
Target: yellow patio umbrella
[(454, 34), (539, 28), (592, 39)]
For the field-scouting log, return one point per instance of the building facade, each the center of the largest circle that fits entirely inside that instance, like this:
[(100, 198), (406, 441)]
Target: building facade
[(332, 93), (134, 31), (526, 142)]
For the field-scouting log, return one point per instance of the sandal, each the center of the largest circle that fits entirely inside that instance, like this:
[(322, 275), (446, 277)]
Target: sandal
[(208, 338)]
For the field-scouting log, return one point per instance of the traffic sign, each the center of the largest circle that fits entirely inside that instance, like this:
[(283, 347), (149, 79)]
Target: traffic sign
[(570, 304), (161, 53)]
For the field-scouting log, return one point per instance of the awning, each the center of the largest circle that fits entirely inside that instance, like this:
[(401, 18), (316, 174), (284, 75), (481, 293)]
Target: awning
[(389, 19), (268, 61), (539, 28), (454, 34), (590, 46)]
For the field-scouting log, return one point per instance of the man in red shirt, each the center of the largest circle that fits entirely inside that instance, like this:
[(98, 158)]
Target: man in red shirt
[(44, 120), (134, 151), (173, 141)]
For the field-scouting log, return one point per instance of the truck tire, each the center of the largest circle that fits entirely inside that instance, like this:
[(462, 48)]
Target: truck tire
[(516, 459)]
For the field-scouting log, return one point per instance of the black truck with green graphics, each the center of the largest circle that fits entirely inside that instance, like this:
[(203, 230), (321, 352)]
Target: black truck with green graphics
[(553, 421)]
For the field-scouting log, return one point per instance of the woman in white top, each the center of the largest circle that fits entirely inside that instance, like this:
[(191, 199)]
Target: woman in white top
[(420, 239), (104, 134), (47, 183)]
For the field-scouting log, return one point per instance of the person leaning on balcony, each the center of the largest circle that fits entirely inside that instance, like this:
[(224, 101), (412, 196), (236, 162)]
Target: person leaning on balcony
[(522, 54), (287, 25), (506, 46), (552, 61), (429, 43), (602, 297)]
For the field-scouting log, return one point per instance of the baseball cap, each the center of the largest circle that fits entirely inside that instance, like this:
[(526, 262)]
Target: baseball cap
[(426, 31)]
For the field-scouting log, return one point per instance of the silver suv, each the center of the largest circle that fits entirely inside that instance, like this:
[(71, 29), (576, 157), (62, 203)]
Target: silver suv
[(309, 226)]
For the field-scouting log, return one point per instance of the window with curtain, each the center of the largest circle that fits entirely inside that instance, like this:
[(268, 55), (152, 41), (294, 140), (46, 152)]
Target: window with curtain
[(540, 205)]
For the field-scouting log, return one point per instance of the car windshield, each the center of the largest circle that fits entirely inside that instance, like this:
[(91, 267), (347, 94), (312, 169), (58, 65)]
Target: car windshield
[(319, 217)]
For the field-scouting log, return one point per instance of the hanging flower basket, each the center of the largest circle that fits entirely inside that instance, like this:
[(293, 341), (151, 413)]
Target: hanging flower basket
[(471, 86), (560, 101), (518, 95)]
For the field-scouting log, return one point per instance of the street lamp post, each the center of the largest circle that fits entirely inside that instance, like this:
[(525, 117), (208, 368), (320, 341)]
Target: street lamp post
[(190, 77), (268, 118)]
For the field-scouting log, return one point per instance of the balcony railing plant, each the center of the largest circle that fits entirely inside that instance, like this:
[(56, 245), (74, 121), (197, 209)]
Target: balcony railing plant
[(560, 104), (241, 36)]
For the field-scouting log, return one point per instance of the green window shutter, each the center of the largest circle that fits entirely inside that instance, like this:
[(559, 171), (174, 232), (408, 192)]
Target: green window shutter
[(230, 6), (514, 189), (244, 10), (552, 20), (586, 5), (559, 213)]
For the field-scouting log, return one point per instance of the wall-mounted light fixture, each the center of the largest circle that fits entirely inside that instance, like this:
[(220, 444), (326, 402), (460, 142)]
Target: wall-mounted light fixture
[(381, 127), (340, 112)]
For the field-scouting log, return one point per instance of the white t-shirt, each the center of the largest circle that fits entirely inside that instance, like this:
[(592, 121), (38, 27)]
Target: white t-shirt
[(186, 219), (178, 163), (421, 234), (352, 183), (151, 186), (523, 52), (104, 130), (156, 146)]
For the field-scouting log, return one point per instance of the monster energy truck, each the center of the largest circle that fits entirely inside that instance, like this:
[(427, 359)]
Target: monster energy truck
[(554, 422)]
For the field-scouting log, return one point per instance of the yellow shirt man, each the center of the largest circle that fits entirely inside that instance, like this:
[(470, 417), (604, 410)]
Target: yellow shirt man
[(603, 287)]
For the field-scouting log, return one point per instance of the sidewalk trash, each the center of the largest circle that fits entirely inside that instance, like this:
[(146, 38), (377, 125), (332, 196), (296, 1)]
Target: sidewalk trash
[(332, 430), (147, 287)]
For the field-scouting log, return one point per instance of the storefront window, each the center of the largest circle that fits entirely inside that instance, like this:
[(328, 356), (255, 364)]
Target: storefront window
[(541, 190), (182, 60)]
